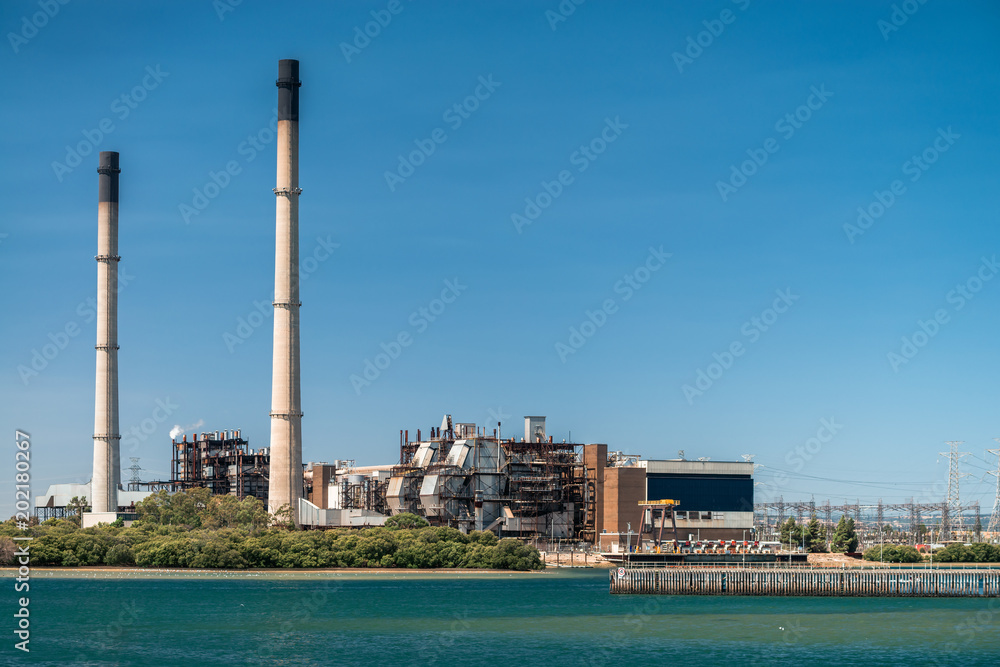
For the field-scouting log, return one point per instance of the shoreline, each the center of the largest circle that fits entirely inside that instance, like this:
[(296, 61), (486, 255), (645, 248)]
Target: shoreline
[(116, 572)]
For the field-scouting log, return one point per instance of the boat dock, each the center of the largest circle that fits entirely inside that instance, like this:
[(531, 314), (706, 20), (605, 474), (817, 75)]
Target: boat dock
[(806, 582)]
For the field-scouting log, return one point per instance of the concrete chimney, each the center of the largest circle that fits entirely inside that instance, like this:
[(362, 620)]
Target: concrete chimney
[(107, 471), (285, 484)]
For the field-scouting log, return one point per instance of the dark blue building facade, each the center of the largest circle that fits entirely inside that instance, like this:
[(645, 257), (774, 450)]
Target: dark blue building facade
[(704, 493)]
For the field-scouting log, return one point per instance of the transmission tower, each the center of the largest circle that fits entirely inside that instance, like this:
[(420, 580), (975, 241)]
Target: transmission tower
[(828, 518), (994, 525), (135, 469), (951, 520)]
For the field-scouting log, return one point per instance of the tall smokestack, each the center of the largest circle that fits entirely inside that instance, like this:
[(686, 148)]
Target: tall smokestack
[(107, 473), (285, 484)]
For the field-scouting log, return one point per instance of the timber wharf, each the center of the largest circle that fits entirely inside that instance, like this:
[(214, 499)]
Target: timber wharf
[(889, 582)]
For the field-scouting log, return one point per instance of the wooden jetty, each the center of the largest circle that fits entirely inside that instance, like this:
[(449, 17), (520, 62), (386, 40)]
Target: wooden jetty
[(806, 582)]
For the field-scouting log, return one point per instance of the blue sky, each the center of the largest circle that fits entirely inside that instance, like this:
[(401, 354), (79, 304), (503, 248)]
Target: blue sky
[(740, 138)]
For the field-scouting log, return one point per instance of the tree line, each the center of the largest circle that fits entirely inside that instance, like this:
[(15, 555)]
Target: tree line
[(812, 536), (193, 529), (845, 540)]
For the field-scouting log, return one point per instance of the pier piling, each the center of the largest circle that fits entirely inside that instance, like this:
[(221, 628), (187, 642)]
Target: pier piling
[(806, 582)]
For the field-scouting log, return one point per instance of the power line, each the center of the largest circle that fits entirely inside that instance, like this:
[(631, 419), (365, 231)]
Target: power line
[(833, 479)]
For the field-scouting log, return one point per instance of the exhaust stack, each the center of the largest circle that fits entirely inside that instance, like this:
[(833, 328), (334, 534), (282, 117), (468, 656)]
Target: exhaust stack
[(285, 484), (107, 472)]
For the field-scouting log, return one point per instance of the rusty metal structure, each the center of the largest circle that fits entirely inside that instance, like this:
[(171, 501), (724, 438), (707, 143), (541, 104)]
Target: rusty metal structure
[(363, 492), (220, 461), (463, 477)]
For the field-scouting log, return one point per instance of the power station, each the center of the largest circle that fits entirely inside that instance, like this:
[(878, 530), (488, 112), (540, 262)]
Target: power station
[(461, 475)]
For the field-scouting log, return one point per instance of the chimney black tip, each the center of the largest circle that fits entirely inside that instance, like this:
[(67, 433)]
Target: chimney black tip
[(288, 90), (108, 160)]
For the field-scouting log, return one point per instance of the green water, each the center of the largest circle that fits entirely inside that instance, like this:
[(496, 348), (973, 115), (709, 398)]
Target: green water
[(561, 618)]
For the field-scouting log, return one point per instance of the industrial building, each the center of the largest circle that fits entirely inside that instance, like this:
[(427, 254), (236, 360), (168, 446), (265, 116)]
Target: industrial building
[(221, 461), (54, 503), (461, 475), (715, 499)]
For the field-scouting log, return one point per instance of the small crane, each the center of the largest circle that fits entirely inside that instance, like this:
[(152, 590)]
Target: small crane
[(663, 506)]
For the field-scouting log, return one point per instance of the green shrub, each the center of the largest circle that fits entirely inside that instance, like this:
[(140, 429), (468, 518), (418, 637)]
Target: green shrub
[(120, 554), (893, 553), (979, 552), (405, 520)]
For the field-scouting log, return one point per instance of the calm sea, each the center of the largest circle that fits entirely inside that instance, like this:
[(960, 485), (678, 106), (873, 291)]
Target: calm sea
[(555, 618)]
